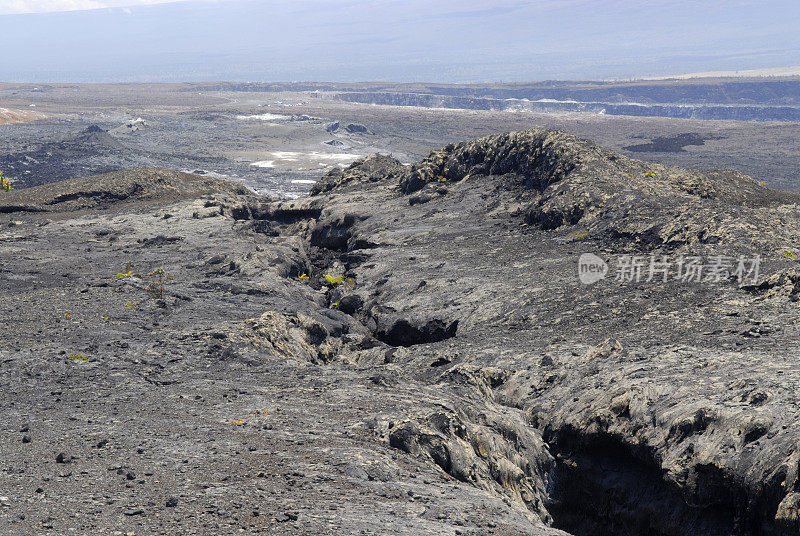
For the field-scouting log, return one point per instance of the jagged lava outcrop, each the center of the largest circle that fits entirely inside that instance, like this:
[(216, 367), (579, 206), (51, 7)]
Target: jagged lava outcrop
[(468, 383)]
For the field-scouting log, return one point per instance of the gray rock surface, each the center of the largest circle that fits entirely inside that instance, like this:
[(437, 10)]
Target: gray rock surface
[(468, 384)]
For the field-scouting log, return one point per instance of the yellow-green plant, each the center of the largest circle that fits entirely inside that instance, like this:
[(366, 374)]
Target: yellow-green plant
[(5, 183), (333, 281), (258, 413), (578, 236), (340, 286), (128, 273)]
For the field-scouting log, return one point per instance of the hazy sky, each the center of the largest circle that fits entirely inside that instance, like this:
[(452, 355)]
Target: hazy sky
[(404, 40), (46, 6)]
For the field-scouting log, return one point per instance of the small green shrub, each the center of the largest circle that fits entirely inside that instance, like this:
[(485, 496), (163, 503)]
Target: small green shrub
[(128, 273), (334, 281), (5, 183), (339, 286), (155, 282)]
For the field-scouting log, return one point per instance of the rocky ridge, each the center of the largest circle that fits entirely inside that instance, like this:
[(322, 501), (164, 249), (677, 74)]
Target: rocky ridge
[(467, 350)]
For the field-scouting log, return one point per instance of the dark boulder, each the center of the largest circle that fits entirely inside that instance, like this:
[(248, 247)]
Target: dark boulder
[(355, 128), (351, 304), (404, 332)]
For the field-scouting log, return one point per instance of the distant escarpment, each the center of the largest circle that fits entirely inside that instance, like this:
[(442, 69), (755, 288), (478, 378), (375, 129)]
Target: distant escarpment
[(677, 109)]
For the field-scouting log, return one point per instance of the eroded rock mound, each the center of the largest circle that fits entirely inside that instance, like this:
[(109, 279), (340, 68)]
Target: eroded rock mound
[(538, 157), (293, 336), (120, 186), (566, 181), (373, 168), (500, 454)]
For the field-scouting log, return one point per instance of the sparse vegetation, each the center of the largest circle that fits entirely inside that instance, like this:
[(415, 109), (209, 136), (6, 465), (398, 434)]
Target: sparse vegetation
[(5, 183), (258, 413), (339, 287), (578, 236), (334, 281), (155, 282), (128, 273)]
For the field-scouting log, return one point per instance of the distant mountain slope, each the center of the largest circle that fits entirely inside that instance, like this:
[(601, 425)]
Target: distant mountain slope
[(774, 71), (447, 41)]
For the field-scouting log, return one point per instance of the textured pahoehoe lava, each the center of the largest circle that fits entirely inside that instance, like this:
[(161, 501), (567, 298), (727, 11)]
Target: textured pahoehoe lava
[(466, 381)]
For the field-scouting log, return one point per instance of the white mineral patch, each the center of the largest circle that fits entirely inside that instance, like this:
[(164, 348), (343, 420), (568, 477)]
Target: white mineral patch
[(298, 161), (263, 117)]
